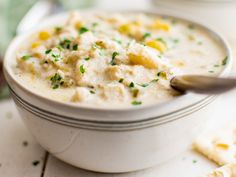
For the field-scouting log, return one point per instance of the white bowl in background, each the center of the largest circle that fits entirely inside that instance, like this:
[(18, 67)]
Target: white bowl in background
[(111, 140), (220, 14)]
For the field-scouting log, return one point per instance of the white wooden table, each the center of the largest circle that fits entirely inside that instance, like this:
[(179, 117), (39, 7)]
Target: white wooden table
[(21, 156)]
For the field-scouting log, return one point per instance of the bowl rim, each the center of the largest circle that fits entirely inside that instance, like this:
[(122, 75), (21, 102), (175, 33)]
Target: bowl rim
[(12, 48)]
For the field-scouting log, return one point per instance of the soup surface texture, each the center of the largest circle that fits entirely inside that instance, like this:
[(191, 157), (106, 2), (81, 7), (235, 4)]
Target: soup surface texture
[(115, 60)]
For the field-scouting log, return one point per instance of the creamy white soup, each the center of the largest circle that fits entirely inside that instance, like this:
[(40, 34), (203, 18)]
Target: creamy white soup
[(116, 60)]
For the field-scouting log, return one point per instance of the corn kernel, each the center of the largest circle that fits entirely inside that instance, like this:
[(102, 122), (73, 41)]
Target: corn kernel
[(163, 75), (78, 24), (142, 60), (158, 45), (35, 44), (160, 25), (127, 29), (222, 146), (44, 35)]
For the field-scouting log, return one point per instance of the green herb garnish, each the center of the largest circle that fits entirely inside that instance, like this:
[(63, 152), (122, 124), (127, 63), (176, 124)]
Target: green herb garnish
[(87, 58), (95, 24), (161, 40), (59, 48), (143, 85), (56, 81), (118, 41), (25, 143), (75, 47), (176, 41), (56, 57), (225, 60), (58, 29), (121, 80), (48, 51), (83, 30), (154, 80), (131, 85), (25, 57), (114, 54), (65, 44), (146, 35), (82, 69), (194, 161), (211, 71), (136, 103), (92, 92), (216, 66), (35, 162)]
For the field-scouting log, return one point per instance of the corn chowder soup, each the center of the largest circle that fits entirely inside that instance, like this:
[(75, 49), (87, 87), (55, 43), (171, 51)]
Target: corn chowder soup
[(112, 60)]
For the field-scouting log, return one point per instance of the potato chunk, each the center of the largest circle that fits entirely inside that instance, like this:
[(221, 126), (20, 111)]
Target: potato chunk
[(81, 94)]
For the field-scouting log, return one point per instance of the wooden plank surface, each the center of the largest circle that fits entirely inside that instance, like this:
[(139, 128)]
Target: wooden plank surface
[(20, 155), (187, 164)]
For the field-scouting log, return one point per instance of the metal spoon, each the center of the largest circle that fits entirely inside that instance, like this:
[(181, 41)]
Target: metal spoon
[(202, 84)]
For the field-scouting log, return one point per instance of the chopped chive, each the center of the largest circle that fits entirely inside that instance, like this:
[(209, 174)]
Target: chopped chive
[(121, 80), (216, 66), (194, 161), (143, 85), (82, 69), (161, 40), (25, 143), (65, 44), (25, 57), (75, 47), (92, 92), (59, 48), (154, 80), (95, 46), (136, 103), (56, 81), (131, 85), (87, 58), (114, 54), (58, 29), (95, 24), (56, 57), (83, 30), (225, 60), (118, 41), (48, 51), (211, 71), (35, 162), (146, 35), (176, 41)]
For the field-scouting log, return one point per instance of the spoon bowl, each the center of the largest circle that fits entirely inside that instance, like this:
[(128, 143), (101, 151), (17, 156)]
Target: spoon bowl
[(202, 84)]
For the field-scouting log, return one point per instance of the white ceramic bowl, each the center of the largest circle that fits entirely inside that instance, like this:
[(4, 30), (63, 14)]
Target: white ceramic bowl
[(110, 140)]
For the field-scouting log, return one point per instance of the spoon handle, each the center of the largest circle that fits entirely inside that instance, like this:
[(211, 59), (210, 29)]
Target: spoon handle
[(202, 84)]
